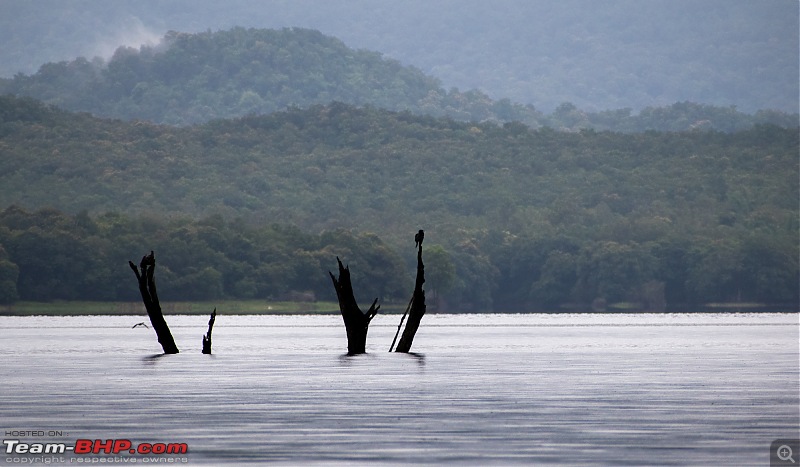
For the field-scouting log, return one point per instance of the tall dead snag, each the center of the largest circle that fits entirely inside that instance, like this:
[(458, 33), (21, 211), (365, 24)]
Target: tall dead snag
[(207, 337), (356, 322), (147, 287), (417, 308)]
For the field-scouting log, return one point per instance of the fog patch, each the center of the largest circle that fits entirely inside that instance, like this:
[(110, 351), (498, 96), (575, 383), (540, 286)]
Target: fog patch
[(132, 32)]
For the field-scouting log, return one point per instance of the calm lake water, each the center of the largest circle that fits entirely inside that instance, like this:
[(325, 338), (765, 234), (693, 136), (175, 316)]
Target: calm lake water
[(609, 389)]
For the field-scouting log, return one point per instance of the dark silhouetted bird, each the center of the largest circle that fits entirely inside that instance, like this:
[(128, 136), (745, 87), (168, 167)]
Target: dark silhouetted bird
[(418, 238), (148, 260)]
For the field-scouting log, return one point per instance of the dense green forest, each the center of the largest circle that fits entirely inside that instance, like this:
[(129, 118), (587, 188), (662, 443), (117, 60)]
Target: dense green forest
[(194, 78), (597, 54), (47, 255), (517, 218)]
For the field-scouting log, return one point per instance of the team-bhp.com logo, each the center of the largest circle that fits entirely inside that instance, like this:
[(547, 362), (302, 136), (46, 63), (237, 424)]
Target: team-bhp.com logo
[(96, 446)]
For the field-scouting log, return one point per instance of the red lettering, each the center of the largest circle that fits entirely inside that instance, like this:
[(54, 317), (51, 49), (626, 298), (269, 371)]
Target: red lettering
[(116, 446), (121, 445), (105, 447), (177, 448), (83, 446)]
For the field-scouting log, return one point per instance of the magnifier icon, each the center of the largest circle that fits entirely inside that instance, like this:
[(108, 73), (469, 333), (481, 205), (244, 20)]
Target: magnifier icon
[(785, 453)]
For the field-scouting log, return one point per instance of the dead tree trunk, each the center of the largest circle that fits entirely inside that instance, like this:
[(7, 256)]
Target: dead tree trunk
[(147, 287), (417, 308), (207, 337), (356, 322)]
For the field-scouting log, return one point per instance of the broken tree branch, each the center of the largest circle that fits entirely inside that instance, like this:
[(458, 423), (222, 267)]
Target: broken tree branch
[(145, 275), (402, 320), (417, 306), (207, 337), (356, 322)]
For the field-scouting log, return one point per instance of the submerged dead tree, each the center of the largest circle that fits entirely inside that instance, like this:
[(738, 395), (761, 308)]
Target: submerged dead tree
[(416, 308), (356, 322), (207, 337), (147, 287)]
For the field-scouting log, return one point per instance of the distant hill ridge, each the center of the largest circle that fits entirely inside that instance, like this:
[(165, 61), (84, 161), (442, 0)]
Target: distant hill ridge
[(193, 78), (597, 54), (339, 165)]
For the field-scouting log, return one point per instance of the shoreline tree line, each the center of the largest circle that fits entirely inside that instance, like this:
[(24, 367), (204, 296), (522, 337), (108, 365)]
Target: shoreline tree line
[(48, 255)]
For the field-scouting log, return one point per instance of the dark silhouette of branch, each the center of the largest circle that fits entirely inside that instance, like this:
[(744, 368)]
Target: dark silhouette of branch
[(145, 276), (402, 320), (356, 322), (417, 306), (207, 337)]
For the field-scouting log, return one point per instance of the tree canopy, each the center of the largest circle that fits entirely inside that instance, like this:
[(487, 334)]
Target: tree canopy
[(193, 78), (597, 54), (530, 219)]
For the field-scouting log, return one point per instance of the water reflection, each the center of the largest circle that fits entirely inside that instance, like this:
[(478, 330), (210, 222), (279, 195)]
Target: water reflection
[(153, 359), (488, 389), (419, 357), (348, 359)]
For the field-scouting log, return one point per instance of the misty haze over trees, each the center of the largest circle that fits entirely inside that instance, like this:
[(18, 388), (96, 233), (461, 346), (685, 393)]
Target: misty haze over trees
[(194, 78), (249, 158), (599, 55)]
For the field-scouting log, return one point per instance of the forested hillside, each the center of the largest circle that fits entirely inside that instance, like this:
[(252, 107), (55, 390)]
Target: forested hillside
[(597, 54), (194, 78), (529, 219), (191, 78)]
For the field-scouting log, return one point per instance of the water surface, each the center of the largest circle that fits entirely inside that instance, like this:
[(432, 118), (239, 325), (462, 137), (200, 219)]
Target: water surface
[(610, 389)]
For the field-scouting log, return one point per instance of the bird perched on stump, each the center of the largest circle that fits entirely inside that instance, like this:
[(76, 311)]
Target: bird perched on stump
[(418, 238), (148, 260)]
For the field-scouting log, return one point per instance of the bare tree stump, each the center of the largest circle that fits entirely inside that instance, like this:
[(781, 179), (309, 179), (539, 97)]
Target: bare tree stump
[(417, 308), (147, 287), (356, 322), (207, 337)]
